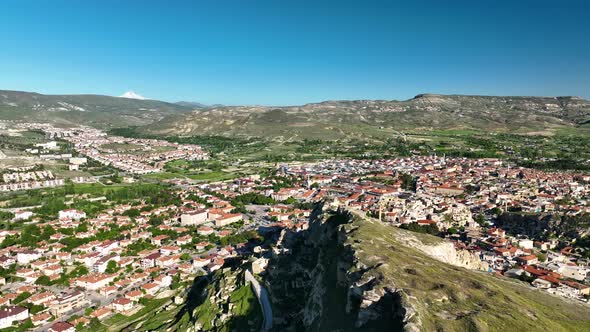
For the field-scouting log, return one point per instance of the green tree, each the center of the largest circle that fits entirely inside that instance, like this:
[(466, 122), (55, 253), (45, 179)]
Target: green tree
[(36, 308), (6, 216), (88, 311), (21, 297), (43, 280), (111, 267), (480, 219)]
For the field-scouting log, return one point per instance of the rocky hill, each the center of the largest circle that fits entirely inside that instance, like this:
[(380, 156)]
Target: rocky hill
[(325, 120), (94, 110), (350, 273), (345, 119)]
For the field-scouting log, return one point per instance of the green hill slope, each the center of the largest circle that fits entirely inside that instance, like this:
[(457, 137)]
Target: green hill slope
[(451, 298), (348, 273)]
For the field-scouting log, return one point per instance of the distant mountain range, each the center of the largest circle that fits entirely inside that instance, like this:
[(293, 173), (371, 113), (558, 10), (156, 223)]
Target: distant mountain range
[(329, 119), (194, 104), (94, 110), (361, 118)]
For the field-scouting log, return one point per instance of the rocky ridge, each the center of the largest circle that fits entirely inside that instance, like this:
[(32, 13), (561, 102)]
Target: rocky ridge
[(348, 273), (340, 119)]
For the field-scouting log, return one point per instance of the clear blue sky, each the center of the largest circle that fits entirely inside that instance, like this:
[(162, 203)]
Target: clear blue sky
[(292, 52)]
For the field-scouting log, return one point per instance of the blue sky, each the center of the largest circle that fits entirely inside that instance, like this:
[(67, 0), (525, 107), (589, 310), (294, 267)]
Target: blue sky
[(294, 52)]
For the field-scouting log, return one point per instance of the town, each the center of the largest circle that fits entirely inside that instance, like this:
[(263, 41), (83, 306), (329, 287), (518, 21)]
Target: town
[(135, 156), (294, 166), (77, 268)]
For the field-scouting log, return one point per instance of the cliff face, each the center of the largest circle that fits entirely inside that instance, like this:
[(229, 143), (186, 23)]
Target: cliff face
[(223, 301), (335, 290), (349, 273)]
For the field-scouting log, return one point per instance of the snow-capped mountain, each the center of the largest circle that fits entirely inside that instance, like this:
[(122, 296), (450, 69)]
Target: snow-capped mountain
[(132, 95)]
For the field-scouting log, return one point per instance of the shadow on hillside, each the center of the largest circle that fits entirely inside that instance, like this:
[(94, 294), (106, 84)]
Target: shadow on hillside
[(309, 283)]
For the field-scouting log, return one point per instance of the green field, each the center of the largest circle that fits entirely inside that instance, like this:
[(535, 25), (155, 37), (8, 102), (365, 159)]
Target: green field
[(203, 177)]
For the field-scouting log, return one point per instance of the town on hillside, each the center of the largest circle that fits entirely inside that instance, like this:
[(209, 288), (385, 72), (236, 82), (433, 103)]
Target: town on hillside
[(95, 259)]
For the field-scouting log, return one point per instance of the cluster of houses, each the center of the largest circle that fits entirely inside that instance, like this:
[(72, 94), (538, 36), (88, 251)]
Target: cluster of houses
[(15, 181), (155, 246), (27, 176), (557, 271), (17, 186), (147, 156), (113, 275), (461, 197)]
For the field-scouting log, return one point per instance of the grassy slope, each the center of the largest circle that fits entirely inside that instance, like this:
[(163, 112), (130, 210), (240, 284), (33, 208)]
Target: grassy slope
[(454, 299)]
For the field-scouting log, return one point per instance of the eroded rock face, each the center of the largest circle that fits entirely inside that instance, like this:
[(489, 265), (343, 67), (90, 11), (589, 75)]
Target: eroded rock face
[(446, 252), (338, 286), (336, 291)]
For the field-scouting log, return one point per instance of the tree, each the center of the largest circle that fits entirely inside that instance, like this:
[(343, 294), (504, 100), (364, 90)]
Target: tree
[(83, 227), (175, 281), (69, 188), (480, 219), (43, 280), (6, 216), (94, 324), (27, 325), (47, 232), (111, 267), (132, 213), (88, 311), (21, 297), (79, 271), (185, 257), (408, 182), (526, 277), (497, 211), (36, 308)]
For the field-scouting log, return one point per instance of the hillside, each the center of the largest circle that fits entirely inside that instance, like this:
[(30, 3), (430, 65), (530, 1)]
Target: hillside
[(362, 118), (350, 273), (93, 110), (326, 120)]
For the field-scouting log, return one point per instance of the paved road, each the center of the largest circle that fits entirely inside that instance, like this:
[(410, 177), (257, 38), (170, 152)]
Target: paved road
[(262, 296)]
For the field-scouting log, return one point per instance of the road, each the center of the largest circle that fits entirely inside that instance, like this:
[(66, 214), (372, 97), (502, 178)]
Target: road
[(262, 296)]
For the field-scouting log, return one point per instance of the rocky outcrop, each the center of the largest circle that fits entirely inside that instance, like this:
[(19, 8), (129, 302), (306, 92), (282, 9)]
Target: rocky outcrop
[(338, 292), (446, 252), (224, 300), (338, 287)]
